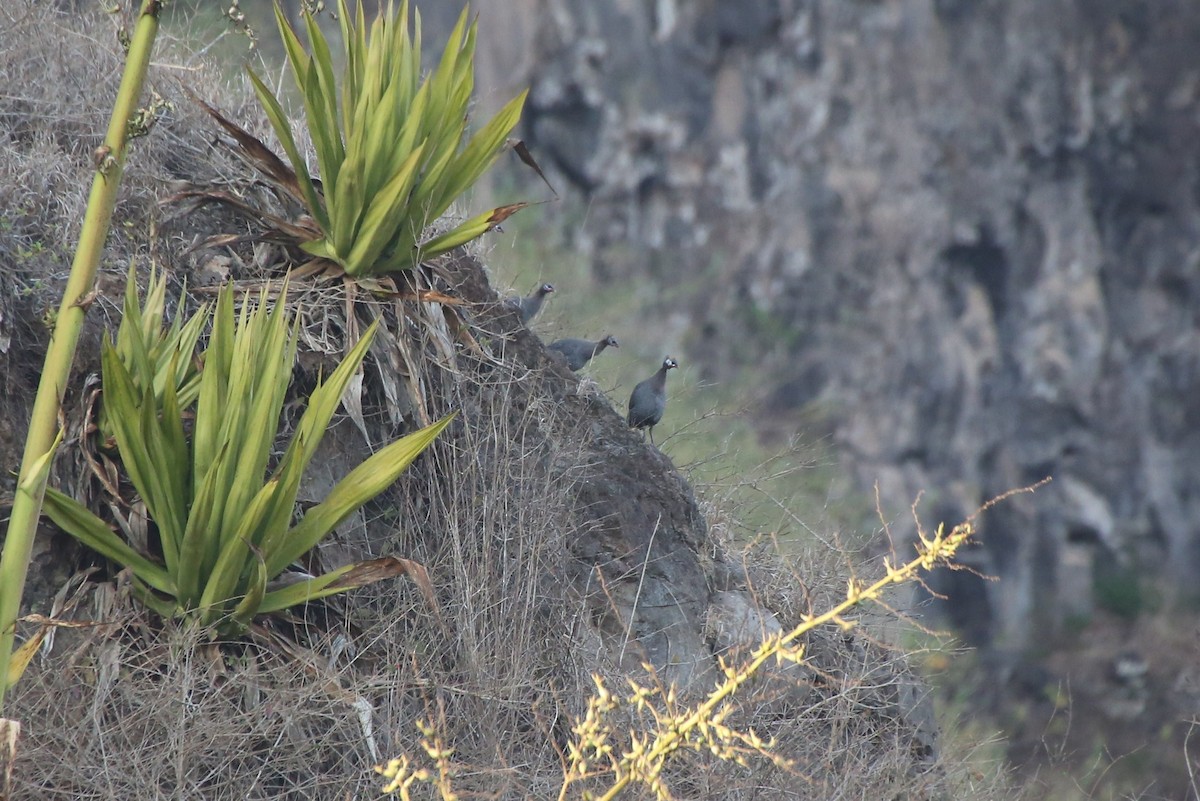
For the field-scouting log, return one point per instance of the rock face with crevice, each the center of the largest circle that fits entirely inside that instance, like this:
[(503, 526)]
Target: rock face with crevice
[(962, 233)]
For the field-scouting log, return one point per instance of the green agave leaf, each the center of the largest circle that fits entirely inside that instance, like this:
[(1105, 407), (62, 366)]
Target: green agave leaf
[(484, 146), (253, 383), (169, 472), (278, 518), (429, 198), (250, 603), (366, 103), (470, 229), (135, 434), (228, 578), (158, 488), (362, 484), (327, 139), (154, 308), (176, 445), (73, 518), (183, 341), (214, 388), (305, 590), (321, 248), (321, 405), (201, 539), (443, 76), (344, 578), (322, 58), (380, 147), (409, 137), (163, 606), (268, 344), (353, 51), (407, 51), (233, 427), (293, 48), (140, 366), (347, 203), (383, 218), (283, 130), (443, 115), (131, 316)]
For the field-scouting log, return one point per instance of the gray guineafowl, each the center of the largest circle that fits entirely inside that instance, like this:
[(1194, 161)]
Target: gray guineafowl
[(530, 305), (649, 399), (579, 352)]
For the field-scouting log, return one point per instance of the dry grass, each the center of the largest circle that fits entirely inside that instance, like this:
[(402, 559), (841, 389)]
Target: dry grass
[(155, 713), (134, 709)]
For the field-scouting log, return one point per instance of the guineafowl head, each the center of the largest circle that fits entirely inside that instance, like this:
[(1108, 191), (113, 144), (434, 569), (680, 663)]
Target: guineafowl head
[(610, 342), (669, 363), (545, 289)]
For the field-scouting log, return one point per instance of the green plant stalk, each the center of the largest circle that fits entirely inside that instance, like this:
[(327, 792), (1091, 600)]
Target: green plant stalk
[(43, 424)]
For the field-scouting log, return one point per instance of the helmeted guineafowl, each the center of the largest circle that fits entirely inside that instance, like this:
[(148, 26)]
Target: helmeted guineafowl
[(579, 352), (530, 305), (649, 399)]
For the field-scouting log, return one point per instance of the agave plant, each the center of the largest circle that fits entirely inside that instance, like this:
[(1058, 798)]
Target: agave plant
[(154, 355), (389, 145), (225, 526)]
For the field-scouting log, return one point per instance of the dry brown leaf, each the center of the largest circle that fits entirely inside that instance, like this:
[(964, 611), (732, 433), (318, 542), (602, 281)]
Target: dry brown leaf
[(502, 213), (523, 153), (258, 153)]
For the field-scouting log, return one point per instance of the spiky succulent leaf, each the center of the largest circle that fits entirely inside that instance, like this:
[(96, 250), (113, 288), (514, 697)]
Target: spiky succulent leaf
[(75, 519), (362, 484)]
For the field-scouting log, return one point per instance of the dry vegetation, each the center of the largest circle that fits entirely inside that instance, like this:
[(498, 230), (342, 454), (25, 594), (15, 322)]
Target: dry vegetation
[(129, 708)]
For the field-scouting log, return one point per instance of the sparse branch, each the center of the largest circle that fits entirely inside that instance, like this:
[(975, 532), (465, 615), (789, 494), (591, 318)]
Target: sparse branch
[(644, 762)]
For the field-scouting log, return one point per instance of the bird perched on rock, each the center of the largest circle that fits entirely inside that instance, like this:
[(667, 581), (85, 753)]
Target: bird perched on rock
[(649, 399), (579, 352), (530, 305)]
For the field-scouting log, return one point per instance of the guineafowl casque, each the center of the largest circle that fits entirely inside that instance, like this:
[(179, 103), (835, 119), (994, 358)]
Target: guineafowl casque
[(530, 305), (579, 352), (649, 399)]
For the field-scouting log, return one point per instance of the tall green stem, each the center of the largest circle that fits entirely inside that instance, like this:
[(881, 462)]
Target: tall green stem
[(31, 483)]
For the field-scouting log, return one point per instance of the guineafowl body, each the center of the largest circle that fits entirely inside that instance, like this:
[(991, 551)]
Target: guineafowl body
[(649, 399), (579, 352), (530, 305)]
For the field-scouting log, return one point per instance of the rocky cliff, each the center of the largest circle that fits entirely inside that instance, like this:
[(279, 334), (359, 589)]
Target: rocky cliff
[(962, 235)]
